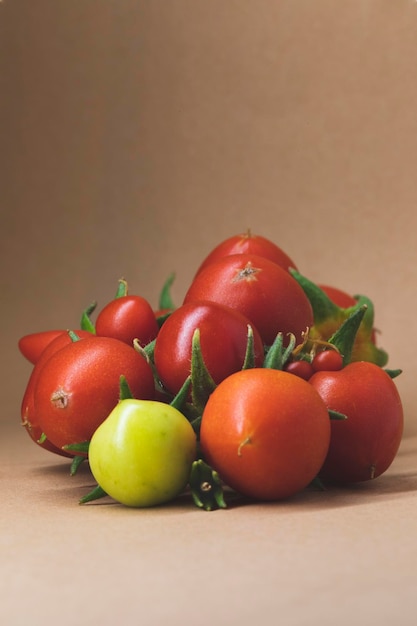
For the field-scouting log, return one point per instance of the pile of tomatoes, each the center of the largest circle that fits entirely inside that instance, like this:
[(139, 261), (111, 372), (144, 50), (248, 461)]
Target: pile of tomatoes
[(261, 383)]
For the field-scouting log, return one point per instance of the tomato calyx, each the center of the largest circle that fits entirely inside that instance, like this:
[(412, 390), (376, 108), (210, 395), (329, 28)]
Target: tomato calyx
[(329, 318), (247, 273), (206, 487)]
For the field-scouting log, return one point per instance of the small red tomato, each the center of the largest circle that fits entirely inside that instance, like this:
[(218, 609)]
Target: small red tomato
[(263, 291), (29, 417), (266, 432), (32, 345), (338, 296), (248, 243), (364, 445), (223, 341), (300, 368), (127, 318), (327, 360), (79, 385)]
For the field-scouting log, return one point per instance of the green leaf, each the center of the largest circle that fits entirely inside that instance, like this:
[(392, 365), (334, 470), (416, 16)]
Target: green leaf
[(86, 322), (179, 401), (393, 373), (76, 462), (125, 392), (206, 487), (202, 383), (165, 298), (81, 447), (277, 355), (323, 307), (95, 494), (336, 415), (344, 338), (249, 360)]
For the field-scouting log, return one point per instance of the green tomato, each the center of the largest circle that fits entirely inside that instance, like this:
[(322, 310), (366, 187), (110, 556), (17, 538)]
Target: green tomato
[(142, 454)]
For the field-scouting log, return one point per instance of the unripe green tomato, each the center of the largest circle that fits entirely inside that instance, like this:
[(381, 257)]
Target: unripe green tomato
[(142, 454)]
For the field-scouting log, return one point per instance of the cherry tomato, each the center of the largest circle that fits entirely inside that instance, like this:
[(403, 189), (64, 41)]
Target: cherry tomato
[(223, 340), (127, 318), (327, 360), (247, 243), (364, 445), (78, 386), (265, 293), (31, 346), (142, 454), (30, 417), (300, 368), (266, 432)]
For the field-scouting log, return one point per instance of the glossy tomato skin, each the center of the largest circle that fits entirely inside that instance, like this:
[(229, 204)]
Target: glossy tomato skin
[(364, 445), (266, 432), (327, 360), (223, 340), (79, 386), (32, 345), (264, 292), (247, 243), (338, 296), (127, 318), (29, 417)]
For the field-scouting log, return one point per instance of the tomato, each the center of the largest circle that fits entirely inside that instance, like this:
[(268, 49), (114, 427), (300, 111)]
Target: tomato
[(127, 318), (364, 445), (247, 243), (30, 417), (338, 296), (78, 386), (266, 432), (142, 454), (300, 368), (327, 360), (31, 346), (223, 340), (268, 295)]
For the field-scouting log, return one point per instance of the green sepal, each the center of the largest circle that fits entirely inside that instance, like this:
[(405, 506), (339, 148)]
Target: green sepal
[(75, 464), (249, 360), (202, 383), (206, 487), (317, 483), (42, 438), (81, 447), (125, 393), (94, 494), (344, 337), (179, 401), (165, 298), (86, 322), (160, 319), (277, 355), (122, 289), (393, 373), (73, 336), (323, 307), (336, 415)]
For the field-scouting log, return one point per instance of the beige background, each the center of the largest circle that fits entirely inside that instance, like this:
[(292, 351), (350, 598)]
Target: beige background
[(136, 135)]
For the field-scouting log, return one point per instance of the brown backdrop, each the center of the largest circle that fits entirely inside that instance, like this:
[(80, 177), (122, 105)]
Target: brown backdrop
[(138, 134)]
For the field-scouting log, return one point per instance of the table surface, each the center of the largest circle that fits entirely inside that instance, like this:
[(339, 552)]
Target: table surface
[(332, 557)]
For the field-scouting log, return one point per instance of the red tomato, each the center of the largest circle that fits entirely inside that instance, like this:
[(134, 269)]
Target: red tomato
[(32, 345), (79, 385), (29, 417), (266, 432), (264, 292), (249, 244), (223, 339), (127, 318), (364, 445), (339, 297), (300, 368), (327, 360)]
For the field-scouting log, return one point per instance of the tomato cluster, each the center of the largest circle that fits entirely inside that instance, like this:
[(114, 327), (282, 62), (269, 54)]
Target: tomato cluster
[(261, 382)]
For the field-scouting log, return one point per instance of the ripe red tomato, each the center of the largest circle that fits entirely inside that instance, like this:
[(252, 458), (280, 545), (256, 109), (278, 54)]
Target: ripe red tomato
[(78, 386), (31, 346), (338, 296), (247, 243), (300, 368), (223, 340), (364, 445), (266, 432), (264, 292), (327, 360), (30, 417), (127, 318)]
